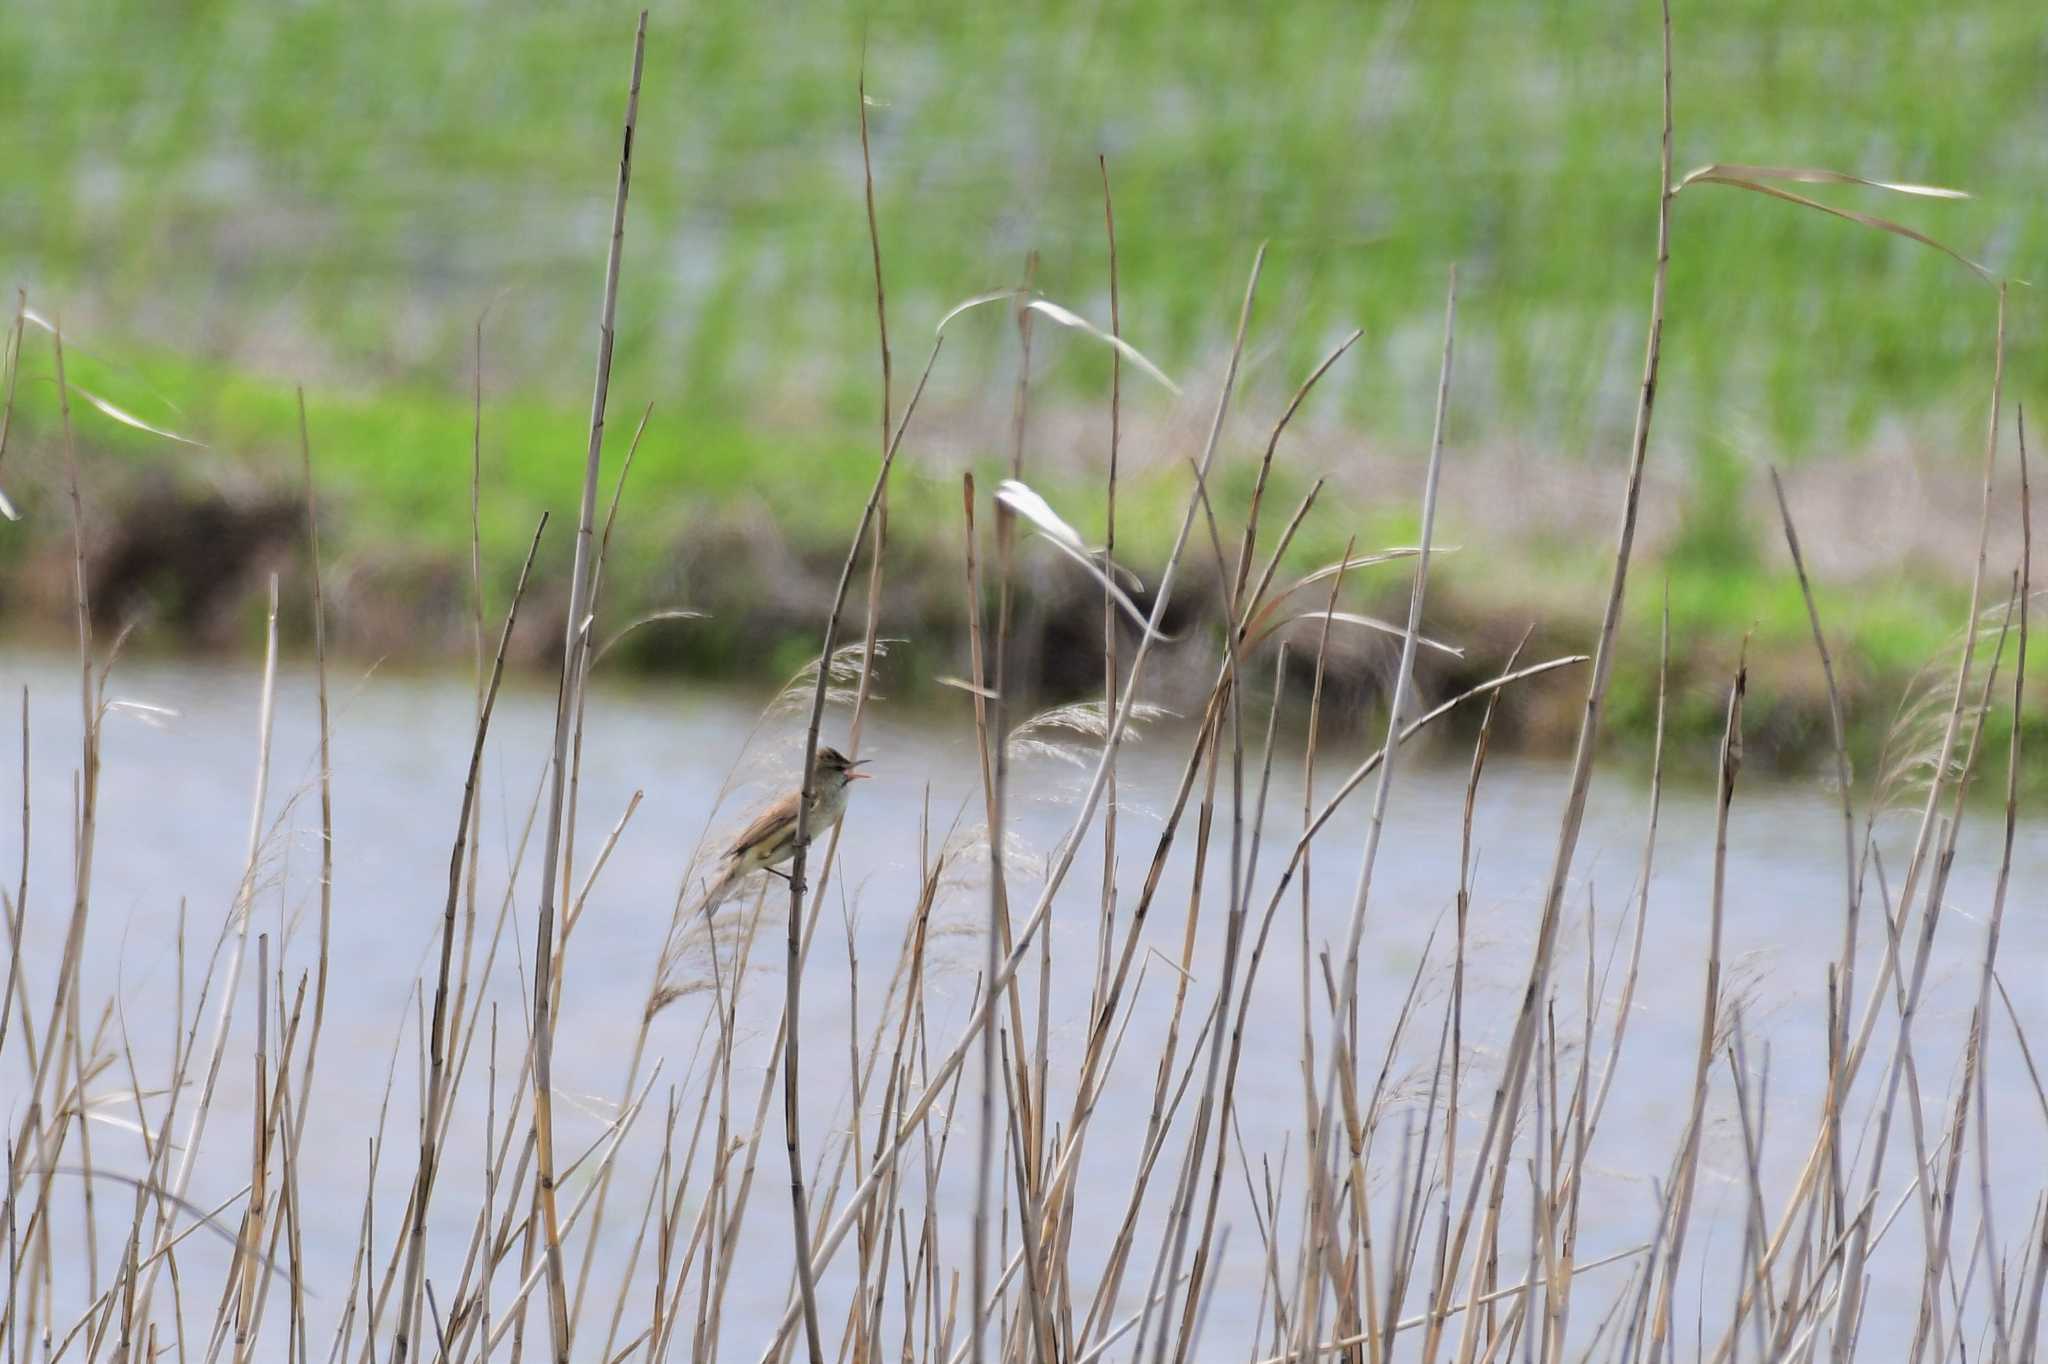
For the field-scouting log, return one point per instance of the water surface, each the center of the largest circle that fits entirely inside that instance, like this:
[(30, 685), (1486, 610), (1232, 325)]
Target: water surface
[(174, 816)]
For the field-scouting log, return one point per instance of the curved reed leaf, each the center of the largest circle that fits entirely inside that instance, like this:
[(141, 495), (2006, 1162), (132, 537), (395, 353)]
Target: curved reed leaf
[(1753, 178), (1021, 499)]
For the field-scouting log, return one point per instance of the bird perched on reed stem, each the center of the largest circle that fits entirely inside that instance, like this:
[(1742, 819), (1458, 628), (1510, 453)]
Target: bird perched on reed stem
[(770, 841)]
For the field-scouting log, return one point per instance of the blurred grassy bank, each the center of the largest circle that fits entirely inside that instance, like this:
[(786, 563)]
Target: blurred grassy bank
[(750, 528)]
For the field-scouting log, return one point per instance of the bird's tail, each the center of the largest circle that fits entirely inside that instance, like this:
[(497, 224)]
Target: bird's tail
[(721, 889)]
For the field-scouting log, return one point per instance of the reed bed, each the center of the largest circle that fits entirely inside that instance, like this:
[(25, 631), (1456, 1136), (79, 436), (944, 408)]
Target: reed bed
[(1427, 1203)]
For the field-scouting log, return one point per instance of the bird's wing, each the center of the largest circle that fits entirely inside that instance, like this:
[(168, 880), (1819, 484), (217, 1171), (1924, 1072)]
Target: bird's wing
[(763, 827)]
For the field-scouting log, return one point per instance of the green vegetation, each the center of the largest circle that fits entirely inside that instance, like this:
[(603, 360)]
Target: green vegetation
[(335, 192), (232, 197), (394, 473)]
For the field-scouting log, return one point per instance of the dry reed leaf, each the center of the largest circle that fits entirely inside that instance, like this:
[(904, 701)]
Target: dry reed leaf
[(156, 717), (672, 613), (993, 296), (1064, 317), (124, 1124), (1370, 623), (127, 418), (1808, 175), (595, 1107), (1732, 175), (1047, 308), (1155, 954), (119, 414), (964, 685), (1328, 571), (12, 369), (1023, 501), (1263, 623)]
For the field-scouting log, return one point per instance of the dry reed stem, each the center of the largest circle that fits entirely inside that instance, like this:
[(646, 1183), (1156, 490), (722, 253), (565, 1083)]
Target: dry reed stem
[(881, 531), (1310, 749), (1507, 1099), (1061, 861), (326, 778), (238, 923), (1232, 947), (438, 1037), (1858, 1245), (1624, 1007), (795, 944), (1344, 1033), (1103, 1010), (2001, 1343), (1686, 1176), (1838, 734), (567, 706), (32, 1141), (993, 724), (1109, 630)]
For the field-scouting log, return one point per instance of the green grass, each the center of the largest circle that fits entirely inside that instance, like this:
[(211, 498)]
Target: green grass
[(344, 188)]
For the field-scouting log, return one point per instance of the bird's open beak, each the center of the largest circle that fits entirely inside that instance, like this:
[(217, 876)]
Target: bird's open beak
[(852, 775)]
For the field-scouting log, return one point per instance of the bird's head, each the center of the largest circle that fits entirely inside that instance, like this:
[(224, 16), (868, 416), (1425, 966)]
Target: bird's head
[(836, 766)]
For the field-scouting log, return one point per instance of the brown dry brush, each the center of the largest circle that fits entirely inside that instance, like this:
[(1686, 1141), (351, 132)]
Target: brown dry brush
[(1424, 1203)]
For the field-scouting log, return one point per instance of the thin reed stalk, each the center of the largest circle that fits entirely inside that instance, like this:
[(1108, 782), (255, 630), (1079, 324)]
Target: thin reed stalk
[(2000, 1321), (238, 926), (438, 1038), (794, 942), (326, 777), (1507, 1098), (575, 659)]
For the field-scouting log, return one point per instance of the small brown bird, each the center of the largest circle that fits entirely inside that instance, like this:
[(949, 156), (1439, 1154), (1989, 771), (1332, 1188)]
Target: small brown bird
[(770, 841)]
